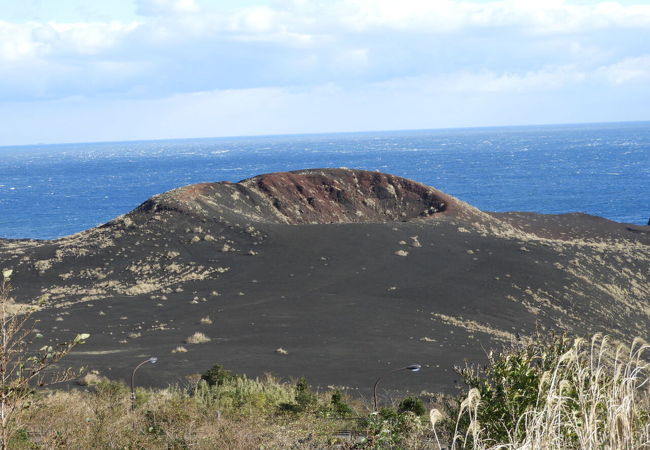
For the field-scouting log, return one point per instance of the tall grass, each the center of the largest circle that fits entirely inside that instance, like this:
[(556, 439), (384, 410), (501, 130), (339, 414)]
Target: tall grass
[(241, 413), (555, 393), (594, 395)]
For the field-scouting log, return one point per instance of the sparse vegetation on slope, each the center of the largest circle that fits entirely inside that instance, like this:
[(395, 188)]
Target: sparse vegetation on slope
[(21, 369), (293, 267), (197, 338)]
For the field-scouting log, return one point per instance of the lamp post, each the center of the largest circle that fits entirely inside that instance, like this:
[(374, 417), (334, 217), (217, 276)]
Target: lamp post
[(411, 368), (151, 360)]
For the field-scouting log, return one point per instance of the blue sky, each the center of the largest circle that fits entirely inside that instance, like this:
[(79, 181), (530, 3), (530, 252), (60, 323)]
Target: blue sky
[(85, 70)]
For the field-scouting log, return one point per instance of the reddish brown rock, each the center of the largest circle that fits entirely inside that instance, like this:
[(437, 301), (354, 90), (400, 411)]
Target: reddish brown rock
[(315, 196)]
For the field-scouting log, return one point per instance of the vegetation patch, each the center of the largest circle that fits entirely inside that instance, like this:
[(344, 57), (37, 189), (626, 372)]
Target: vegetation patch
[(197, 338)]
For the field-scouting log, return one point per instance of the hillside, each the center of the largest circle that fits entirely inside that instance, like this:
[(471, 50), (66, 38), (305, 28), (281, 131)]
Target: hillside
[(352, 273)]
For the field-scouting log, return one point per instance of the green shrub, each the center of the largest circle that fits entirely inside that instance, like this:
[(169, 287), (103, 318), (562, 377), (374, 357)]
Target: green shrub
[(241, 394), (304, 399), (413, 404), (217, 375), (151, 425), (389, 428), (553, 392), (509, 385), (338, 406), (20, 440)]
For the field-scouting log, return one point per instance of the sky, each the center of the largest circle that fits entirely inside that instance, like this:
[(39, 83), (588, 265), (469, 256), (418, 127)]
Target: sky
[(91, 70)]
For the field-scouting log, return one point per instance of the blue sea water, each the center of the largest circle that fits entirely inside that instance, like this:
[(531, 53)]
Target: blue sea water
[(48, 191)]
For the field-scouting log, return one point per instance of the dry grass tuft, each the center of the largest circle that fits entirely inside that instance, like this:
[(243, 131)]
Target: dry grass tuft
[(91, 379), (197, 338), (595, 395)]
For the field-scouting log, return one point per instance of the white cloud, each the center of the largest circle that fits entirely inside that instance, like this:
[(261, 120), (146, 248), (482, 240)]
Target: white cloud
[(305, 22), (627, 71), (34, 39), (88, 38), (16, 42), (251, 20), (465, 82), (357, 51), (165, 7), (443, 16)]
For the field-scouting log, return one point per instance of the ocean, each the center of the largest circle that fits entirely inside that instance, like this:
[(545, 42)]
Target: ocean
[(49, 191)]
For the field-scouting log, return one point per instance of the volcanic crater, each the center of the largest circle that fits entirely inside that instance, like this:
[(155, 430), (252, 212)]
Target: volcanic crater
[(311, 196), (349, 272)]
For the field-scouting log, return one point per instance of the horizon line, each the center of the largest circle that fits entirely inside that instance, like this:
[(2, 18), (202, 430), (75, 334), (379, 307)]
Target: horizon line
[(321, 133)]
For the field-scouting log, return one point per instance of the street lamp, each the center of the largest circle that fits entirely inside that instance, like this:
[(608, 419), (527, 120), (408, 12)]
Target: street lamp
[(411, 368), (151, 360)]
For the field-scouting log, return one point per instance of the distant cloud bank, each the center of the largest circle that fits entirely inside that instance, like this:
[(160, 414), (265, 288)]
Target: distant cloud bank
[(281, 58)]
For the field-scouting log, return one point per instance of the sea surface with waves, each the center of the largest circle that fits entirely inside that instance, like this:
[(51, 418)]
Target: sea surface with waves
[(48, 191)]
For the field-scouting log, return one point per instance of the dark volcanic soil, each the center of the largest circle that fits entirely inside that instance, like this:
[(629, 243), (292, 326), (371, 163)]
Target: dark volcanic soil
[(352, 273)]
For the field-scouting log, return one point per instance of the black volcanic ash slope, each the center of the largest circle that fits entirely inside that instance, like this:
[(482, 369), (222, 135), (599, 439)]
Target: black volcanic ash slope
[(351, 272)]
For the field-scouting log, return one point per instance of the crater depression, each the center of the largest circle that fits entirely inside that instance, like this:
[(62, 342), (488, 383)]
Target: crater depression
[(350, 273)]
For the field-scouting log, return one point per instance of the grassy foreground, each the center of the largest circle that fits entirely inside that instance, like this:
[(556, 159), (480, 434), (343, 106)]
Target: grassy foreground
[(547, 393), (239, 413)]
